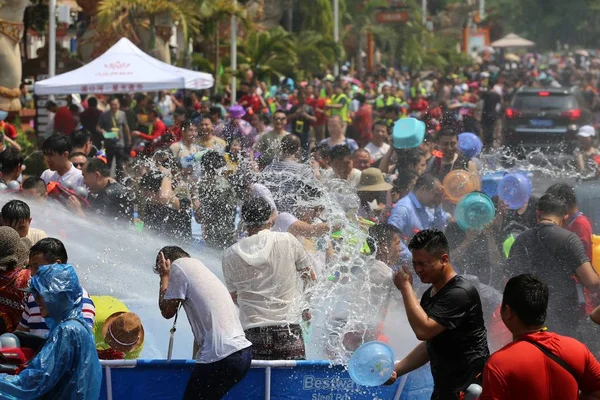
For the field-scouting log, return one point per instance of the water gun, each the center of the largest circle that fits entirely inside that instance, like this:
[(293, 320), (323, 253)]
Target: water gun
[(341, 234), (62, 193)]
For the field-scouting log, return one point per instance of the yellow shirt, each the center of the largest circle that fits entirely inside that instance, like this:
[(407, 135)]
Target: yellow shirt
[(213, 143), (105, 307)]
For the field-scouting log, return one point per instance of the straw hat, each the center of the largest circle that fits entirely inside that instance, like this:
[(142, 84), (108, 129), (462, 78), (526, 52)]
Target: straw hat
[(371, 180), (123, 331)]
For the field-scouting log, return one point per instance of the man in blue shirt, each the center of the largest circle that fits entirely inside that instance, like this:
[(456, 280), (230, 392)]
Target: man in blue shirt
[(412, 213)]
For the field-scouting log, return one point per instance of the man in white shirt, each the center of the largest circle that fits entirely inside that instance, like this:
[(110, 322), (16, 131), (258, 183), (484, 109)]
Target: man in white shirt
[(56, 151), (378, 147), (343, 165), (224, 355), (17, 215), (261, 273)]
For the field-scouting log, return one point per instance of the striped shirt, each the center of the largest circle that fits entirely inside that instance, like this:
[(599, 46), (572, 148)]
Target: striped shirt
[(33, 322)]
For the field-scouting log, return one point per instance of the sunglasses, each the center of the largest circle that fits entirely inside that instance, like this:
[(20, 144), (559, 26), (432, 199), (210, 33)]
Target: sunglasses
[(278, 119), (78, 164)]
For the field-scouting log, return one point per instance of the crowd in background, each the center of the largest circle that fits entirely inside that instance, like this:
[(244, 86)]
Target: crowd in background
[(249, 180)]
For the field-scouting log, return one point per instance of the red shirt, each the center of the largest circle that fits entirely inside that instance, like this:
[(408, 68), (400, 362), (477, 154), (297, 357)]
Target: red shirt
[(63, 121), (8, 130), (158, 129), (582, 227), (320, 104), (252, 101), (521, 371), (363, 122), (420, 105)]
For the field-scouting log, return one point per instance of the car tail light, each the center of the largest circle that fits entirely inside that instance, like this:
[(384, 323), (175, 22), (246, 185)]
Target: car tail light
[(544, 94), (572, 114), (511, 113)]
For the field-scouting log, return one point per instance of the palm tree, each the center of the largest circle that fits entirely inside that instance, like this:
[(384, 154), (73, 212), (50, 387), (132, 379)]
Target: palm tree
[(268, 53), (315, 53), (144, 13), (359, 18)]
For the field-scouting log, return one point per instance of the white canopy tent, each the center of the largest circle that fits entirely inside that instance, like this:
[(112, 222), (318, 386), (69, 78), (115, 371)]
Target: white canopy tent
[(512, 40), (124, 68)]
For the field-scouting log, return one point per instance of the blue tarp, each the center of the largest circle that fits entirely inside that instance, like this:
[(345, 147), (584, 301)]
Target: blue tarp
[(311, 380)]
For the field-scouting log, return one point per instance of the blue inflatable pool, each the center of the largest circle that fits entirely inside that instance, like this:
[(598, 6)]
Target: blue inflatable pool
[(277, 380)]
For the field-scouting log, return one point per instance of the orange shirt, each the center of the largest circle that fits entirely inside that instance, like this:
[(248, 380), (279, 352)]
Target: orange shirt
[(520, 371)]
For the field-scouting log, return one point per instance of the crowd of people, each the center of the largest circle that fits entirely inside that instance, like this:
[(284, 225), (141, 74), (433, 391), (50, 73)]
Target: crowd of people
[(258, 178)]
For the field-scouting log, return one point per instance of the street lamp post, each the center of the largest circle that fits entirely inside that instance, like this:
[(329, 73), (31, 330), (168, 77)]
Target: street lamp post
[(52, 38), (233, 56), (481, 10), (336, 32)]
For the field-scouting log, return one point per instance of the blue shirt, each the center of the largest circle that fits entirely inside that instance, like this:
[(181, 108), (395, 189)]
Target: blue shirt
[(351, 143), (410, 216)]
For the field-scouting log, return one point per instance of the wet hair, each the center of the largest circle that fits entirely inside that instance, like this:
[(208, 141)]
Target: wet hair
[(381, 234), (74, 108), (433, 241), (202, 117), (381, 123), (212, 161), (151, 181), (15, 211), (56, 144), (34, 182), (97, 165), (10, 159), (552, 204), (80, 138), (290, 144), (565, 191), (77, 154), (323, 149), (280, 111), (408, 158), (51, 249), (256, 212), (426, 181), (215, 111), (446, 132), (171, 253), (340, 152), (527, 296), (405, 178), (309, 193), (92, 102)]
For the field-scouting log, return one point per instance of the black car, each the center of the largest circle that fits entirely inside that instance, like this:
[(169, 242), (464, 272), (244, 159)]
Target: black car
[(545, 118)]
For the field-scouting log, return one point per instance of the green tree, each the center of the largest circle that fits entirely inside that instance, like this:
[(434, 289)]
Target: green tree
[(315, 54), (268, 53), (183, 11)]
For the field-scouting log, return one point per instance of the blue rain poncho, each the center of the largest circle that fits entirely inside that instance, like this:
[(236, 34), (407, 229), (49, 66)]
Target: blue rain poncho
[(67, 367)]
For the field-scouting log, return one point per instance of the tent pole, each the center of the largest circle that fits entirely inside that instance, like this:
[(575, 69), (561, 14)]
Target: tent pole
[(233, 56), (336, 32), (52, 38)]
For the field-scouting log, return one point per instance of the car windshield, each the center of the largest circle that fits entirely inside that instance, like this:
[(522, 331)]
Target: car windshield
[(534, 101)]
